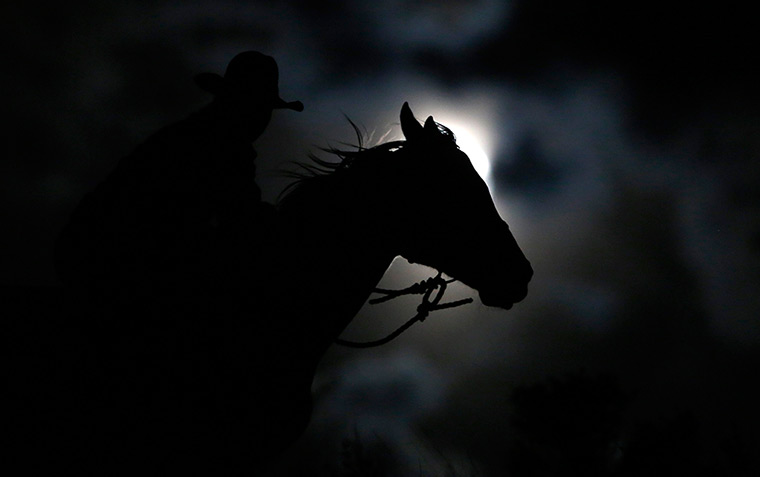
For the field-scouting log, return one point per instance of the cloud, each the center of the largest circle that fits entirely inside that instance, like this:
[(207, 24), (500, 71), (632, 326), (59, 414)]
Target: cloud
[(452, 26), (392, 390)]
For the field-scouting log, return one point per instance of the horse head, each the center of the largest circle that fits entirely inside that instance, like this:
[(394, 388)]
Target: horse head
[(458, 231)]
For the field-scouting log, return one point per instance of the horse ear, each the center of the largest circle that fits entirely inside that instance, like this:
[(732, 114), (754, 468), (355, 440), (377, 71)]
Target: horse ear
[(430, 126), (409, 124)]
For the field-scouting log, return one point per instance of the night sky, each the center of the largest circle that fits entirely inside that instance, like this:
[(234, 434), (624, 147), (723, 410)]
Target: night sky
[(623, 141)]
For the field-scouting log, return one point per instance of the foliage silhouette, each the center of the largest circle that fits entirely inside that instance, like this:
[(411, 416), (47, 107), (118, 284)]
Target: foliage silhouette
[(580, 426)]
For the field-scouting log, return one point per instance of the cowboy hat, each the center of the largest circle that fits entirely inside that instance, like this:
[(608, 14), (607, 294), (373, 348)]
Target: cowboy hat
[(250, 76)]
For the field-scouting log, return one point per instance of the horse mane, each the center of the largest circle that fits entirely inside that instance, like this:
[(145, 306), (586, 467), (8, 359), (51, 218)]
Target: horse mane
[(318, 167)]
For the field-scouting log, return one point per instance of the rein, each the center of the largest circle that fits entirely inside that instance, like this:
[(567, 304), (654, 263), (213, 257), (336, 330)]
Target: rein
[(428, 304)]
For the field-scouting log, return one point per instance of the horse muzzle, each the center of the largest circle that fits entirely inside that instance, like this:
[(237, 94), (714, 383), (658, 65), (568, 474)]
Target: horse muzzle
[(506, 294), (500, 299)]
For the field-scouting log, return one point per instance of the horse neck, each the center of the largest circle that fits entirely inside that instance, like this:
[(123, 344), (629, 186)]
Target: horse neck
[(334, 234)]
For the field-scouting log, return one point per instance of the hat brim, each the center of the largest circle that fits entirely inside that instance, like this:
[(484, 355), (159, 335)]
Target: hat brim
[(279, 103), (216, 85)]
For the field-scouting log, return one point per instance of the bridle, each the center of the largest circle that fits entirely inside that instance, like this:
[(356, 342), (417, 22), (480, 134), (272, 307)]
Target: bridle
[(430, 302)]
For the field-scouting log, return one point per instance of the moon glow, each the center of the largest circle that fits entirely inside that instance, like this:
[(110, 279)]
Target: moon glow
[(471, 146)]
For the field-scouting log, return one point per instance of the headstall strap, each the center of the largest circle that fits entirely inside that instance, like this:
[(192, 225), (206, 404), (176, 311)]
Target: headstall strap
[(425, 288)]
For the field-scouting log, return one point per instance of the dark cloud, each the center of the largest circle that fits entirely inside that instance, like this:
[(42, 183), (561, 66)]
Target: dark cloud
[(676, 59), (527, 171)]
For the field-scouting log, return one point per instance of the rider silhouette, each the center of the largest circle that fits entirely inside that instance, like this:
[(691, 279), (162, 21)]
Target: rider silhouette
[(159, 263), (183, 209)]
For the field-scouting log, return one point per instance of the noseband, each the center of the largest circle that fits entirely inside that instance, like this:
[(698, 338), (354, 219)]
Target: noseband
[(430, 302)]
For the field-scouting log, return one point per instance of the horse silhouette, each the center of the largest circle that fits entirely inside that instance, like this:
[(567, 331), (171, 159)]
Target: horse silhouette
[(216, 378)]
